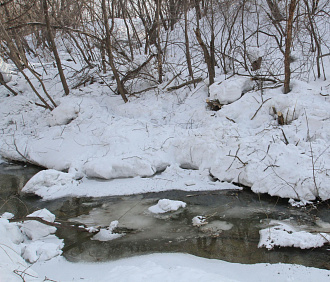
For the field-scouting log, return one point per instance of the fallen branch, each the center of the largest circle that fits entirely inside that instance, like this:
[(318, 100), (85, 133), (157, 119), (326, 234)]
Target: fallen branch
[(144, 90), (2, 82), (54, 224), (285, 139), (133, 73), (236, 157), (197, 80)]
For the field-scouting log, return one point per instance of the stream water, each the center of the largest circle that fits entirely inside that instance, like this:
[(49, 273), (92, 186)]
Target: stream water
[(235, 218)]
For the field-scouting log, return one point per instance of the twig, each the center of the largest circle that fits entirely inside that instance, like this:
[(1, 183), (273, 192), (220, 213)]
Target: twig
[(174, 77), (285, 139), (231, 119), (236, 157), (260, 108), (312, 155)]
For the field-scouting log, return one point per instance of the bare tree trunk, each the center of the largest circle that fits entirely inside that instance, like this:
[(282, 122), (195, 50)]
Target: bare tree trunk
[(312, 29), (212, 47), (54, 49), (188, 58), (288, 43), (108, 32), (207, 56), (159, 48)]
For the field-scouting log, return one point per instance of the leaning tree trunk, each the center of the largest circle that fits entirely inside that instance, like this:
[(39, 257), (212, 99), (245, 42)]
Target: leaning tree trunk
[(54, 49), (108, 46)]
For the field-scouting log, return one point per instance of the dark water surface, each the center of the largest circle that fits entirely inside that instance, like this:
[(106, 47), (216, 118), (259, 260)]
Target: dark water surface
[(235, 218)]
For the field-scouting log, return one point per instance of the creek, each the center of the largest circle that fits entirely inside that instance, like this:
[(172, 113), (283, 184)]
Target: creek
[(235, 218)]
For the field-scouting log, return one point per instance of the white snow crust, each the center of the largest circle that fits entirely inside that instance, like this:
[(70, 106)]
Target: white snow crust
[(176, 267), (5, 71), (23, 242), (106, 234), (282, 234), (166, 205)]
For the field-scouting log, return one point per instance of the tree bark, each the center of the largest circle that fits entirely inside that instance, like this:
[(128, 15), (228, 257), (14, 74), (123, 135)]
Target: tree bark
[(207, 56), (54, 49), (120, 86), (288, 43)]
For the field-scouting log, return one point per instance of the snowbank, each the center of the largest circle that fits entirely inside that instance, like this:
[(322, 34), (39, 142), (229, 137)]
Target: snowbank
[(176, 267), (29, 241), (132, 144), (164, 140)]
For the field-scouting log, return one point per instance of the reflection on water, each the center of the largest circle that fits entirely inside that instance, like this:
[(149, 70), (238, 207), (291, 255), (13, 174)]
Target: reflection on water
[(235, 218)]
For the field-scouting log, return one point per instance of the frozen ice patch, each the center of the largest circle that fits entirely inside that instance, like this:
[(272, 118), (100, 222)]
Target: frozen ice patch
[(216, 227)]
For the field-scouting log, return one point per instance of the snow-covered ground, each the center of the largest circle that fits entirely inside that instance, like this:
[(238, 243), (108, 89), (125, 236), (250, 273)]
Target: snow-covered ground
[(148, 143), (177, 267)]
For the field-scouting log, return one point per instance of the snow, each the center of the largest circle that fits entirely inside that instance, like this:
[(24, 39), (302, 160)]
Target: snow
[(24, 242), (63, 113), (35, 230), (93, 144), (131, 144), (106, 234), (199, 220), (166, 205), (51, 184), (5, 71), (176, 267), (282, 234), (230, 90)]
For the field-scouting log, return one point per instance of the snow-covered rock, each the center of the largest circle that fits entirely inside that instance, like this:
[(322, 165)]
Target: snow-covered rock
[(282, 234), (166, 205), (106, 234), (199, 220), (230, 90)]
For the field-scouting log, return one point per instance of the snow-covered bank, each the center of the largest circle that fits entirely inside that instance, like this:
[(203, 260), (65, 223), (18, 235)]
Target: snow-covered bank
[(175, 267), (101, 137), (52, 184)]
